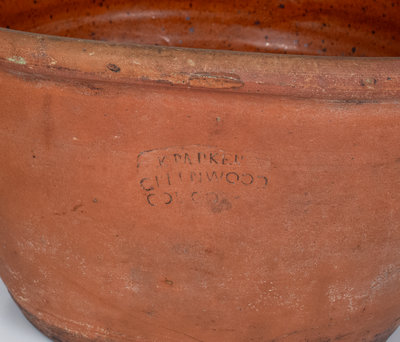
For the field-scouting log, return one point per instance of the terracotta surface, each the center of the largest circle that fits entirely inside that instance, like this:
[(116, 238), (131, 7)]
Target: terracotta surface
[(152, 193)]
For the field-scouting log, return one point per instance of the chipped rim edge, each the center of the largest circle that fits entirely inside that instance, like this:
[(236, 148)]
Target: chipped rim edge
[(352, 79)]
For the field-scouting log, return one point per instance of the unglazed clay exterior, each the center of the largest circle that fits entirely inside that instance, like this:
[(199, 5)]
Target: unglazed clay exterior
[(175, 181)]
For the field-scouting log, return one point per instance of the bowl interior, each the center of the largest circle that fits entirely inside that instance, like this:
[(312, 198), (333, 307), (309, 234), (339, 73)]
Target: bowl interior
[(318, 27)]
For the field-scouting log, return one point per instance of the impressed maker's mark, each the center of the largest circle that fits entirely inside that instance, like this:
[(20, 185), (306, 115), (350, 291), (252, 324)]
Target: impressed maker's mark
[(200, 175)]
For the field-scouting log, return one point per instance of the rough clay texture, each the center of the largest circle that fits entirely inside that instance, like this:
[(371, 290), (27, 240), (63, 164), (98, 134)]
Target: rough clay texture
[(165, 194)]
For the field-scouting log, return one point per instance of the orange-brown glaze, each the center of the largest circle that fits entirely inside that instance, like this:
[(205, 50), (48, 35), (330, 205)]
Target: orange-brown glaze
[(327, 28)]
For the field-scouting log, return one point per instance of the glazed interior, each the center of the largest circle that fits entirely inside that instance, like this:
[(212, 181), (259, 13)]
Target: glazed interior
[(309, 27)]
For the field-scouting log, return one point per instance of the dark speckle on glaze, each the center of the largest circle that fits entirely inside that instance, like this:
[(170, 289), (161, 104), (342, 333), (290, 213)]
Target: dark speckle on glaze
[(246, 26)]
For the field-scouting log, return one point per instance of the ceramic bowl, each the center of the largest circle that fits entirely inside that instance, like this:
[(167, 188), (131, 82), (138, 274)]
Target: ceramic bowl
[(201, 171)]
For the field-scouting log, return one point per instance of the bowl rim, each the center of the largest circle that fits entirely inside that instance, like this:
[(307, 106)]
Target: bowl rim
[(62, 59)]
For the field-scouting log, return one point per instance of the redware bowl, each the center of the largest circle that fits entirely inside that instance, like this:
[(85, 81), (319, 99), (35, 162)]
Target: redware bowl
[(201, 171)]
